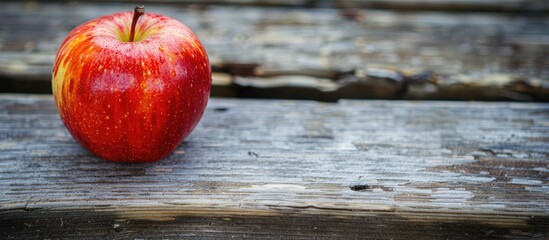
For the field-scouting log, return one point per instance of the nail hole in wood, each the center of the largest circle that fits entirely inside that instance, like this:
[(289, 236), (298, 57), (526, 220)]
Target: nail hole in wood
[(359, 187), (117, 227), (221, 109), (253, 154)]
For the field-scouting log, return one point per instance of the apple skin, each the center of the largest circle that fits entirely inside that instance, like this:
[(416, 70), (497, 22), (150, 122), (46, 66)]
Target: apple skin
[(131, 101)]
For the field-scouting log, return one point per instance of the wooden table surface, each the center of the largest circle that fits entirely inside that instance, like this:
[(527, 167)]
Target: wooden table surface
[(288, 169)]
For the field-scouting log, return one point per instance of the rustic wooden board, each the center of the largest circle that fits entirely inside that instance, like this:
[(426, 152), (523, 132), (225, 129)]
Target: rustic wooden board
[(288, 169), (438, 5), (321, 53)]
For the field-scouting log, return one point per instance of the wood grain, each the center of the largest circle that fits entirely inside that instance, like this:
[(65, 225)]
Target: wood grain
[(288, 169), (437, 5), (357, 53)]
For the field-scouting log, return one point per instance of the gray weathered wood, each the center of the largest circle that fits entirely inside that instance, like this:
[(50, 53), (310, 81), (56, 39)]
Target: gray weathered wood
[(444, 5), (360, 53), (288, 169)]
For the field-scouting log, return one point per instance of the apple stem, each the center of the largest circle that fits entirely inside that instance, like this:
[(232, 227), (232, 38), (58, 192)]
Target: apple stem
[(137, 12)]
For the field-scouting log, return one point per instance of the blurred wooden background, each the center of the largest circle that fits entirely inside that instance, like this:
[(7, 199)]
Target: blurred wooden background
[(321, 50)]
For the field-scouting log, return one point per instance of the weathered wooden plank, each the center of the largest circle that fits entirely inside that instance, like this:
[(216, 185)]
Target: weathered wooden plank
[(445, 5), (420, 55), (438, 5), (288, 169)]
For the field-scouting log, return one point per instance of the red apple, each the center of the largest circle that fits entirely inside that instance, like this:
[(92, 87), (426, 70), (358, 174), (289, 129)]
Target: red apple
[(131, 86)]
